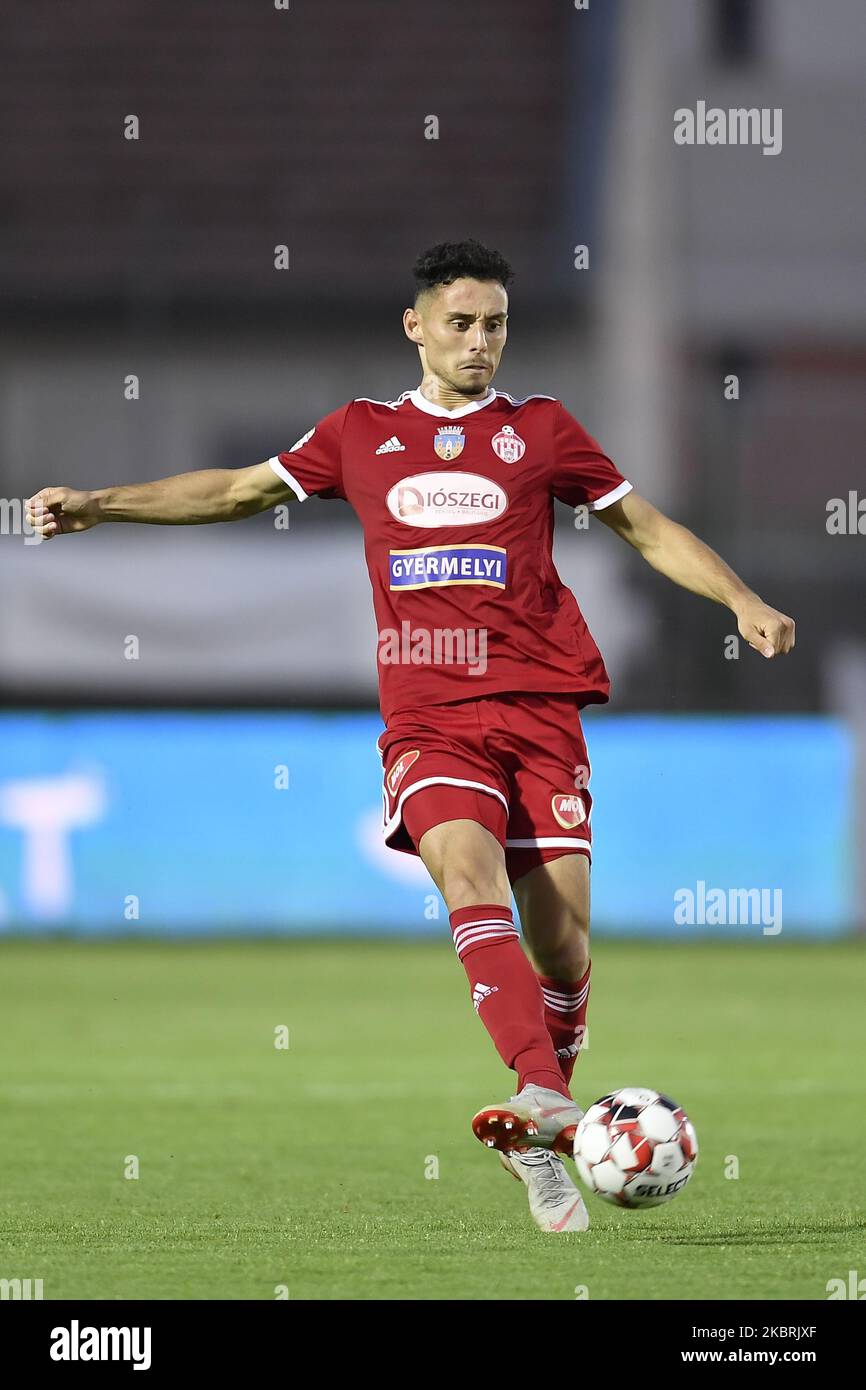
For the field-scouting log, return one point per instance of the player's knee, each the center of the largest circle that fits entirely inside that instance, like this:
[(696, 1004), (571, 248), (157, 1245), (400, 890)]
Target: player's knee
[(470, 886), (565, 955)]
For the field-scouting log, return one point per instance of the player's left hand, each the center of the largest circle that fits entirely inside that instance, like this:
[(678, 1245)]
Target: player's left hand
[(769, 632)]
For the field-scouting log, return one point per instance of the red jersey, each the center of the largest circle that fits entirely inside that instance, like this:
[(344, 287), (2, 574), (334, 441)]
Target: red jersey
[(457, 511)]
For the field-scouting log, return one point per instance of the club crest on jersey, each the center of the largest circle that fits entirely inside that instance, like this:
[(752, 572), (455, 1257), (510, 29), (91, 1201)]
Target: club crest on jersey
[(400, 768), (449, 442), (507, 445), (568, 809)]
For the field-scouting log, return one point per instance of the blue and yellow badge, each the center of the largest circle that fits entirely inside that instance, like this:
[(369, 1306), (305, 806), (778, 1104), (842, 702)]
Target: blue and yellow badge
[(449, 442)]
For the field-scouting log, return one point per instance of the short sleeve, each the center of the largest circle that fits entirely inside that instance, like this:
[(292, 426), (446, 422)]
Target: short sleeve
[(582, 474), (314, 465)]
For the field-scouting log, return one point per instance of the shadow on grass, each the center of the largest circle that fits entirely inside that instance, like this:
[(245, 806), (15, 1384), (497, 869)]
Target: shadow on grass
[(779, 1233)]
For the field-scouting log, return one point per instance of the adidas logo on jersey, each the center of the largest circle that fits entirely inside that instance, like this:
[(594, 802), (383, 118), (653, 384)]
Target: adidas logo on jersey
[(481, 992), (391, 446)]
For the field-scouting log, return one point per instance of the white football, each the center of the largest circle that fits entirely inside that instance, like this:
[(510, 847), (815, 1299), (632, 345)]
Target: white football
[(636, 1148)]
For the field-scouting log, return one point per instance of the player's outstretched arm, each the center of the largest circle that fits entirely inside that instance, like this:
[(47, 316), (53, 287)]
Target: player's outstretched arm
[(677, 553), (188, 499)]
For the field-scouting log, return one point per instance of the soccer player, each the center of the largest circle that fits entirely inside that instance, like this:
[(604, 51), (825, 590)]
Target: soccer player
[(485, 663)]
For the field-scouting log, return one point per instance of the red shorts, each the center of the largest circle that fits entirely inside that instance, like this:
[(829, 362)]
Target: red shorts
[(516, 763)]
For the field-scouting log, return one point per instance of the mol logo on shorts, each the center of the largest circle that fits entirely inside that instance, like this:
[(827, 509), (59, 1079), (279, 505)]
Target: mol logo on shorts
[(400, 768), (438, 565), (446, 499), (569, 810)]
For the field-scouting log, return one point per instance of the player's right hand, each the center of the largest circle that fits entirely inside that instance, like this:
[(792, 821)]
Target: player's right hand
[(56, 510)]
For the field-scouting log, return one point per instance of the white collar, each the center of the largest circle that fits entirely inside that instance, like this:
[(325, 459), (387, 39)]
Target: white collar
[(422, 403)]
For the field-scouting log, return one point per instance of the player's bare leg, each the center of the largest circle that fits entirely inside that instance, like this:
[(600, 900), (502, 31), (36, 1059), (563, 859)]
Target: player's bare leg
[(553, 900), (467, 864)]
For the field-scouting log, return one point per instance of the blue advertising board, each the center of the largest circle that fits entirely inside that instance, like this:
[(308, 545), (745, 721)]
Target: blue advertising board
[(176, 822)]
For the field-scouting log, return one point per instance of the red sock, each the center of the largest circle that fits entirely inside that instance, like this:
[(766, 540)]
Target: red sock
[(506, 993), (565, 1005)]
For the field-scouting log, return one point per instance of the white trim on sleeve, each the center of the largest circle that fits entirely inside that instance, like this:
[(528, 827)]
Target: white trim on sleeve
[(610, 497), (287, 477)]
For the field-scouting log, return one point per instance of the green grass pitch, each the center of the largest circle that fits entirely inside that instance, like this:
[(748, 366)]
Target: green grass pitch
[(307, 1167)]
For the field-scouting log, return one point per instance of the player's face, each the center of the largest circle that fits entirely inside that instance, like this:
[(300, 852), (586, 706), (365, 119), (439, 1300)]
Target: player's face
[(461, 328)]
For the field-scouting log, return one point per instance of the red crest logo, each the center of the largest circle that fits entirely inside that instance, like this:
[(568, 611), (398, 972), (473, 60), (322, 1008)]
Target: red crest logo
[(507, 445)]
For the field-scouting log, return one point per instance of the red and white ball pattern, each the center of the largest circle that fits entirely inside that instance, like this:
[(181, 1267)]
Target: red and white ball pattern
[(636, 1148)]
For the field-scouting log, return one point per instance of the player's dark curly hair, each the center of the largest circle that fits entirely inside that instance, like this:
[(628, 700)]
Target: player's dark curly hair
[(450, 260)]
